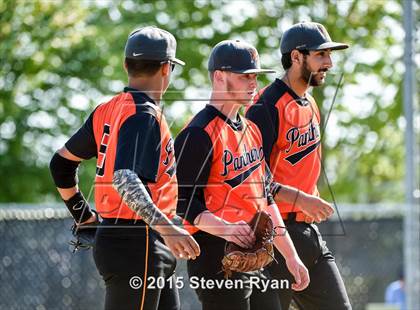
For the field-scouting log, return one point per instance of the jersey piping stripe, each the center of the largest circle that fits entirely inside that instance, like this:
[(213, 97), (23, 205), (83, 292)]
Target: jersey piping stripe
[(145, 268), (171, 171), (242, 177), (293, 159)]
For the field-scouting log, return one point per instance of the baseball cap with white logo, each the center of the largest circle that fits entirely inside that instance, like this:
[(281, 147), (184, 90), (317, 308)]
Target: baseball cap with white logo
[(152, 43), (235, 56)]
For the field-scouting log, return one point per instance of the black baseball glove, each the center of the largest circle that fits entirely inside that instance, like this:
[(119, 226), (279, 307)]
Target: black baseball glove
[(84, 235)]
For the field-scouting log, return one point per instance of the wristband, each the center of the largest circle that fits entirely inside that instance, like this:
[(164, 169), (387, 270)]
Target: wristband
[(78, 207), (275, 188)]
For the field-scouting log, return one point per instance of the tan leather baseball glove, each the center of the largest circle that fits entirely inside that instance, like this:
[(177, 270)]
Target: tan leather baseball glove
[(239, 259)]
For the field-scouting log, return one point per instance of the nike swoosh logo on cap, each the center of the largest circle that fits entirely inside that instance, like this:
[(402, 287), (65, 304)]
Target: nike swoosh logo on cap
[(135, 54)]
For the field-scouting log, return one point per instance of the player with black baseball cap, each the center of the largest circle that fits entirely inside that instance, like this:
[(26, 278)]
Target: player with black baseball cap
[(308, 36), (234, 61), (135, 184), (289, 120), (223, 181), (152, 43), (235, 56)]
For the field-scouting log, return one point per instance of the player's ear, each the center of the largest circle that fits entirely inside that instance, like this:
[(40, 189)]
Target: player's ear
[(295, 56), (218, 76), (125, 66), (166, 69)]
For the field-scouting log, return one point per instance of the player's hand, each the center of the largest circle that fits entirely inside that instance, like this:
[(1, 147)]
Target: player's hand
[(239, 233), (84, 233), (299, 272), (92, 219), (180, 242), (309, 220), (314, 207)]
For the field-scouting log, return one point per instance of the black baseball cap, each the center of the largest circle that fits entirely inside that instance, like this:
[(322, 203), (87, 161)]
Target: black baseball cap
[(308, 36), (235, 56), (151, 43)]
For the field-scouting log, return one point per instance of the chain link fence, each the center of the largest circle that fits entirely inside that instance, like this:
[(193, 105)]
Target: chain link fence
[(39, 271)]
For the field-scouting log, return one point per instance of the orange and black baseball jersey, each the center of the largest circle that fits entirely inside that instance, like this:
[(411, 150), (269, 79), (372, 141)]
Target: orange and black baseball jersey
[(220, 167), (290, 127), (128, 132)]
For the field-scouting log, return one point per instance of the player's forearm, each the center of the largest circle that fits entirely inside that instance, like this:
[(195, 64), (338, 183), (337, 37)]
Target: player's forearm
[(208, 222), (63, 168), (67, 193), (284, 193), (315, 208), (282, 240), (74, 201), (134, 194)]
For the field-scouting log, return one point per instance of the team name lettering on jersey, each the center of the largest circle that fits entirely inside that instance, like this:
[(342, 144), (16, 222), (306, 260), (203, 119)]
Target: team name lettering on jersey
[(239, 162), (293, 136)]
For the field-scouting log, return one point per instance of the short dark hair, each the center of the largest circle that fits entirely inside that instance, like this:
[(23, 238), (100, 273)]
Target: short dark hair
[(139, 67), (286, 59)]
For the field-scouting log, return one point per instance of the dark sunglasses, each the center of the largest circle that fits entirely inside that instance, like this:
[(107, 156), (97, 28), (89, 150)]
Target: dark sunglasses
[(170, 62)]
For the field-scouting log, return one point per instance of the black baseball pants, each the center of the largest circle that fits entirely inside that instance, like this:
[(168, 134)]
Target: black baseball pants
[(137, 267), (207, 269), (326, 290)]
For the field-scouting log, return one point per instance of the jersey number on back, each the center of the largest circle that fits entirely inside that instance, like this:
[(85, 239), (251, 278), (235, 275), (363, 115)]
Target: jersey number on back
[(100, 167)]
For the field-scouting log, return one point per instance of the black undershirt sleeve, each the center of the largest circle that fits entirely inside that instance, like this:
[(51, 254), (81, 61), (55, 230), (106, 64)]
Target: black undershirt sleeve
[(267, 119), (138, 147), (193, 151), (82, 144)]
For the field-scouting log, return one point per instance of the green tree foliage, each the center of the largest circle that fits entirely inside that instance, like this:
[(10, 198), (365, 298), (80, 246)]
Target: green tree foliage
[(59, 59)]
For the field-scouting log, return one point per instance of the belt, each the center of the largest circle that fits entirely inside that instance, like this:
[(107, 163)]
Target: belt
[(293, 217), (124, 227), (122, 222)]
